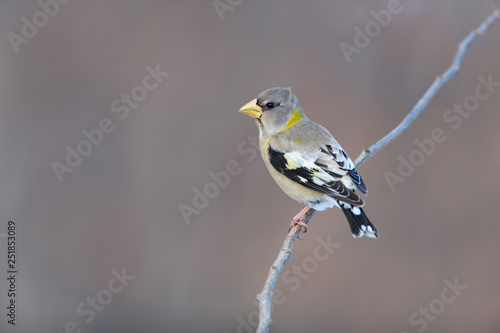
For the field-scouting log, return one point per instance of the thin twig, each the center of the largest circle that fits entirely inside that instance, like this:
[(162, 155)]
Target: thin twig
[(433, 89), (266, 295), (285, 254)]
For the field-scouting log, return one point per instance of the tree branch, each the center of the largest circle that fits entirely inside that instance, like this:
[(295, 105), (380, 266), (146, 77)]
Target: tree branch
[(433, 89), (285, 254)]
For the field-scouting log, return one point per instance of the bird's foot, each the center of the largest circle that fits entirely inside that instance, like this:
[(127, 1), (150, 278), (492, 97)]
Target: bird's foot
[(297, 221)]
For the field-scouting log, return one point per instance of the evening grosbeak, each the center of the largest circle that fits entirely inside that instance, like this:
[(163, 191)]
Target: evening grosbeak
[(306, 161)]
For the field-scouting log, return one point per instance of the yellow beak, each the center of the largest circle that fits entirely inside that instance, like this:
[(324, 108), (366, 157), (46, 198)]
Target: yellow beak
[(252, 109)]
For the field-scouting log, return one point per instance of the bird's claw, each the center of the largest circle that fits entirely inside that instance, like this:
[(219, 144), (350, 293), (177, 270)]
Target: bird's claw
[(299, 223)]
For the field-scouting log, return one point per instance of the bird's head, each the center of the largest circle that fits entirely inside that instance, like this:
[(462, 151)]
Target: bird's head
[(275, 109)]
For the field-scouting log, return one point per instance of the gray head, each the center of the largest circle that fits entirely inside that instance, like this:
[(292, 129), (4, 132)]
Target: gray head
[(273, 109)]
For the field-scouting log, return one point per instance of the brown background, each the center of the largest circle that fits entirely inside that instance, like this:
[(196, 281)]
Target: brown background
[(119, 208)]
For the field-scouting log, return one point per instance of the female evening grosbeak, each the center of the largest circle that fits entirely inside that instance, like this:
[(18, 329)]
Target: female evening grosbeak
[(306, 161)]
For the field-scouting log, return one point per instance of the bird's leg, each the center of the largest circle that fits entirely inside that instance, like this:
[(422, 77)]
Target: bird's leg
[(297, 220)]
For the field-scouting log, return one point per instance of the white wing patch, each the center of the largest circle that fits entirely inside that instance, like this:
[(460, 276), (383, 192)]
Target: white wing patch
[(302, 179), (318, 181), (296, 161)]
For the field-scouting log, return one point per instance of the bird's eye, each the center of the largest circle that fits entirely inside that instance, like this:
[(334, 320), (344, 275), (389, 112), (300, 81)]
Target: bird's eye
[(270, 105)]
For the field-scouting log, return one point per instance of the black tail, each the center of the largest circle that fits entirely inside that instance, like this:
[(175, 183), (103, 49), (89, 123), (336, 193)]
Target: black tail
[(359, 223)]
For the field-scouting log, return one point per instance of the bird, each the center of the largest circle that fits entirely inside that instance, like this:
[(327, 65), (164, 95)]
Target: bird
[(306, 161)]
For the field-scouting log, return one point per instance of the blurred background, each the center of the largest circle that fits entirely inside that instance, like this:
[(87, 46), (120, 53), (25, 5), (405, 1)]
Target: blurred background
[(127, 206)]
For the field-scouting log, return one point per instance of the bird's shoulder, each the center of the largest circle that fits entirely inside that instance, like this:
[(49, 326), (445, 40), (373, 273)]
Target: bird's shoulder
[(309, 139)]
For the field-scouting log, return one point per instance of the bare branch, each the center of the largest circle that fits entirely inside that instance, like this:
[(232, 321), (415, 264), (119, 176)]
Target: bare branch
[(285, 254), (266, 295), (433, 89)]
